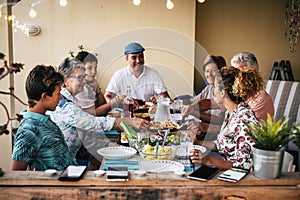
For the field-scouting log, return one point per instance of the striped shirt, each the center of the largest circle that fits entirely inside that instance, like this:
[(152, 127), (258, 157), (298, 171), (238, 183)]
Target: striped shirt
[(40, 143)]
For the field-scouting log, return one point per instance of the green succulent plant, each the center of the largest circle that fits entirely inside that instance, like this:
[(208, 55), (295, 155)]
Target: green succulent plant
[(270, 135), (296, 133)]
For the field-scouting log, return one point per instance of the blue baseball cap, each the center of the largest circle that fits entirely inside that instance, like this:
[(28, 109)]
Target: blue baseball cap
[(133, 48)]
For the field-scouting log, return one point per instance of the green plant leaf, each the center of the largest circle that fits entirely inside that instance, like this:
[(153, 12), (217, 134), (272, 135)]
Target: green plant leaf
[(271, 134)]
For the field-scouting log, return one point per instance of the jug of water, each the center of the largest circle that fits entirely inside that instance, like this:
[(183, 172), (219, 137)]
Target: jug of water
[(163, 109)]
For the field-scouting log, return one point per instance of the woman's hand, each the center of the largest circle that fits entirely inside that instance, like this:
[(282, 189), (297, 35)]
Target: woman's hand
[(198, 157), (138, 123), (193, 125), (192, 109)]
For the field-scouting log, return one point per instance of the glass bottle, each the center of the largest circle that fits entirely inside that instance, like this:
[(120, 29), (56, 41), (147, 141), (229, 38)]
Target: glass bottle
[(128, 103)]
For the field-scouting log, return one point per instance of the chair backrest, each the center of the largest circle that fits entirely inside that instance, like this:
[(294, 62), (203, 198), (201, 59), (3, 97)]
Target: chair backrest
[(287, 164), (286, 98)]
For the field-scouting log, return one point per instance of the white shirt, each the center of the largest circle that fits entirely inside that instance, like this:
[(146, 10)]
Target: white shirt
[(145, 86)]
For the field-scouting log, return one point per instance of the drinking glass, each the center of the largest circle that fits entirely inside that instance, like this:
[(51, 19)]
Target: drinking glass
[(186, 144), (126, 114), (177, 105), (142, 140)]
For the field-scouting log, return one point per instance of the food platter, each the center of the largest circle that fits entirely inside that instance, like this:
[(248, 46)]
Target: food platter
[(161, 166), (117, 152), (166, 124)]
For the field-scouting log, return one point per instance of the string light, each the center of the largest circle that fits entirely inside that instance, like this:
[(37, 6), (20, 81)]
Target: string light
[(32, 13), (1, 10), (169, 4), (63, 3), (136, 2), (201, 1)]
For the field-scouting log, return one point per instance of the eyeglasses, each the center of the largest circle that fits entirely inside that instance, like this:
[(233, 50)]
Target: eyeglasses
[(80, 78)]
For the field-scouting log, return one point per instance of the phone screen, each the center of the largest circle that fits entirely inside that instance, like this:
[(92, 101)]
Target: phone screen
[(204, 173)]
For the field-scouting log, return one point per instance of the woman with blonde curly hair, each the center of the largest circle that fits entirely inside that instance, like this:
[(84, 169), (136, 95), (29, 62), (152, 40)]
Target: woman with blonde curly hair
[(232, 87), (260, 102)]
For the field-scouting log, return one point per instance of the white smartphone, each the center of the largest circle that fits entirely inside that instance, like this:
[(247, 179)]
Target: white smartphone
[(72, 173), (117, 173), (233, 174)]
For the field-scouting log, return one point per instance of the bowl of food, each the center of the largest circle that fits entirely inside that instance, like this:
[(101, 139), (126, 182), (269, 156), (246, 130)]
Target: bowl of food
[(158, 153)]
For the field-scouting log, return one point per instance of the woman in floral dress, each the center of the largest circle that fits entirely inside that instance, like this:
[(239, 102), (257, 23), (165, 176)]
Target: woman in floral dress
[(232, 86)]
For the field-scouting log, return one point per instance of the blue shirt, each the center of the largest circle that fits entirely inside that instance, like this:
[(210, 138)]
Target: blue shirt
[(40, 143)]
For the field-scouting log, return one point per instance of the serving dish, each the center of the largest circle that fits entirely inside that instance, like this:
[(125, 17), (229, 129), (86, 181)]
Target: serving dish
[(98, 173), (116, 152), (50, 172), (161, 166)]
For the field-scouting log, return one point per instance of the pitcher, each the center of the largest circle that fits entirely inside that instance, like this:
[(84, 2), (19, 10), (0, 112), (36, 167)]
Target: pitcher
[(163, 109)]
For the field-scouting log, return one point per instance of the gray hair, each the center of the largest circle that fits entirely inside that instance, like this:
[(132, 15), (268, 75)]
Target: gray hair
[(67, 66), (246, 58)]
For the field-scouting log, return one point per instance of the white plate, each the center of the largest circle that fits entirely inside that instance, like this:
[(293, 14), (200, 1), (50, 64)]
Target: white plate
[(161, 166), (117, 152)]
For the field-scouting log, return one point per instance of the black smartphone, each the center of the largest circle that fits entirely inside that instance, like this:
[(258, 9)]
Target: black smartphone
[(72, 173), (117, 173), (204, 173)]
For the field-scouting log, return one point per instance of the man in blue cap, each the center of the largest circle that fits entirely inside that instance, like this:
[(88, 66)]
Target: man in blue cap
[(144, 81)]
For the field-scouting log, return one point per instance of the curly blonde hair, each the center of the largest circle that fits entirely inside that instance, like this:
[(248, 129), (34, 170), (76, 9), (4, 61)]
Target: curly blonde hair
[(248, 83), (240, 84)]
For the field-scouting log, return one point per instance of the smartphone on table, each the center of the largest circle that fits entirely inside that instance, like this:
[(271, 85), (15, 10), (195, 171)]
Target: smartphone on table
[(72, 173), (233, 174), (117, 173), (204, 173)]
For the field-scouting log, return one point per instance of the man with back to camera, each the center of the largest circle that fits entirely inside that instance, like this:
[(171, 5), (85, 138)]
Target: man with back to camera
[(144, 81)]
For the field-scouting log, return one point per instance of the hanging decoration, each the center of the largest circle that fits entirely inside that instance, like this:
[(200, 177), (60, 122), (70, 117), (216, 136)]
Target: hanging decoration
[(292, 23)]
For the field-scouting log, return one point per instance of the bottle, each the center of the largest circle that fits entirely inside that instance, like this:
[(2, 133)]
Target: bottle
[(128, 103)]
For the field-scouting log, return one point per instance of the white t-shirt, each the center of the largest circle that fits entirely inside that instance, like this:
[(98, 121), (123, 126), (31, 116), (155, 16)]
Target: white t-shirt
[(145, 86)]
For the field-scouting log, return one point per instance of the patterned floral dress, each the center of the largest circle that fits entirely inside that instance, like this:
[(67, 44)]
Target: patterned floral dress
[(233, 141)]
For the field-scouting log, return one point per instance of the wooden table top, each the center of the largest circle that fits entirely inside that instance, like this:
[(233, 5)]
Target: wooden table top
[(31, 178)]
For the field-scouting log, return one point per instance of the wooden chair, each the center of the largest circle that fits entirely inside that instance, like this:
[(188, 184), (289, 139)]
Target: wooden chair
[(286, 98)]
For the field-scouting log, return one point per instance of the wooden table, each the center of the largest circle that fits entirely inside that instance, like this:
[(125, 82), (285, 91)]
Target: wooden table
[(36, 185)]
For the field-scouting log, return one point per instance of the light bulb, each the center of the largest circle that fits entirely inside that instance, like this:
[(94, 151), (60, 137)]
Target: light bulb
[(201, 1), (63, 3), (136, 2), (10, 18), (32, 13), (169, 4)]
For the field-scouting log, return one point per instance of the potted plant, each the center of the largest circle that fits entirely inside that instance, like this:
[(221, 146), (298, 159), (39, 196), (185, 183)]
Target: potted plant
[(296, 138), (270, 139)]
